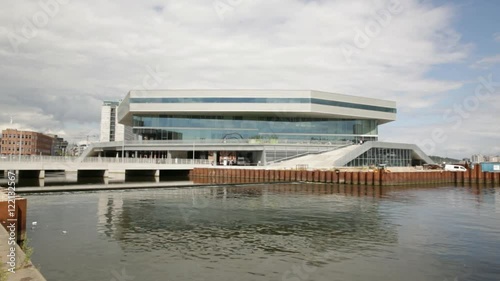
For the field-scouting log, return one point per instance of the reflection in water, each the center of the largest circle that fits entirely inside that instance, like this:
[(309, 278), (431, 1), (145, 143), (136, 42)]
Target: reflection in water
[(263, 232), (250, 214)]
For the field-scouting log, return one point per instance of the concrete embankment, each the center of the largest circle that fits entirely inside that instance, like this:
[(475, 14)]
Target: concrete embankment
[(23, 269), (15, 266)]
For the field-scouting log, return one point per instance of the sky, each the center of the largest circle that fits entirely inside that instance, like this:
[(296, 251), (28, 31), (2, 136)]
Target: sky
[(439, 60)]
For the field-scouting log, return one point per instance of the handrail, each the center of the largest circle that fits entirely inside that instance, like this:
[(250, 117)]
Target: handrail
[(111, 160), (218, 142)]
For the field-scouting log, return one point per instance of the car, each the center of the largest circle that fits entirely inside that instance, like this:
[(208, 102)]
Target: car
[(242, 161), (455, 168)]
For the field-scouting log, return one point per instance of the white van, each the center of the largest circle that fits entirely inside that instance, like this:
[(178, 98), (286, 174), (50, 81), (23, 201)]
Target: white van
[(455, 168)]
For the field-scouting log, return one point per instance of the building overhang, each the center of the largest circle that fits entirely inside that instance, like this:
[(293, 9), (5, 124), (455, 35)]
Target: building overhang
[(285, 103)]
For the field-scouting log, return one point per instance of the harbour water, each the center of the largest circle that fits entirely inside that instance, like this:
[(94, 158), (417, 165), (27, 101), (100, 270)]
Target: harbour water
[(268, 232)]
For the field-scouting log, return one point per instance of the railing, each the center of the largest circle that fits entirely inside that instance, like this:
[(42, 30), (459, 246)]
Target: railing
[(111, 160), (36, 158), (220, 142), (163, 161)]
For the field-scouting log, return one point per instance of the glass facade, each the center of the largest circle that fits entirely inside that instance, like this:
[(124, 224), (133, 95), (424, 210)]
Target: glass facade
[(175, 127), (265, 100), (388, 156)]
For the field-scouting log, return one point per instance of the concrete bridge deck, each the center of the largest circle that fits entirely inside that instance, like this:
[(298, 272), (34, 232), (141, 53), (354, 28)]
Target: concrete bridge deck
[(35, 166)]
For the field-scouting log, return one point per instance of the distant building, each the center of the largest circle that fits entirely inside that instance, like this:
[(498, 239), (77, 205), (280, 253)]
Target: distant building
[(493, 159), (59, 146), (81, 146), (477, 158), (15, 142), (111, 130)]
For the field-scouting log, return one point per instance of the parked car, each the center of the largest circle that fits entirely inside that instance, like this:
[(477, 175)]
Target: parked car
[(455, 168), (242, 161)]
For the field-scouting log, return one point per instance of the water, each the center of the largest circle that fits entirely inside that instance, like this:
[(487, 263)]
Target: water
[(269, 232)]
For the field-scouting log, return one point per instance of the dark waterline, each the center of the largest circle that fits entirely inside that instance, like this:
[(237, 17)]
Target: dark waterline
[(71, 179), (269, 232)]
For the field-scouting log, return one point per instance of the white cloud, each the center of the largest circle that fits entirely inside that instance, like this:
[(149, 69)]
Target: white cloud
[(95, 50), (496, 36), (487, 62), (464, 127)]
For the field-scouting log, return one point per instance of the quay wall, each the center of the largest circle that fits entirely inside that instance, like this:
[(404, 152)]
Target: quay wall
[(375, 177)]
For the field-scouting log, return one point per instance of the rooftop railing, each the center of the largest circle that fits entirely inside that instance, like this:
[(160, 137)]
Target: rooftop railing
[(222, 142)]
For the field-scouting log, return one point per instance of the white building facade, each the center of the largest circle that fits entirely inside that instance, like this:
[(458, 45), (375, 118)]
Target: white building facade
[(111, 130)]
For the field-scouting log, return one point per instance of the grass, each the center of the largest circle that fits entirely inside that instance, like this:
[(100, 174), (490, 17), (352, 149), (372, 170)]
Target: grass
[(28, 252)]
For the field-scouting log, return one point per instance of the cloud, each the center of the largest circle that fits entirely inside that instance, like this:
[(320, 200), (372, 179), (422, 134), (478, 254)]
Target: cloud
[(496, 36), (487, 62), (464, 127), (96, 50)]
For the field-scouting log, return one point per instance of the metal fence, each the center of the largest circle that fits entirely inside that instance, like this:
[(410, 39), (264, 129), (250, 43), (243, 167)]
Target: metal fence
[(113, 160), (220, 142), (36, 158)]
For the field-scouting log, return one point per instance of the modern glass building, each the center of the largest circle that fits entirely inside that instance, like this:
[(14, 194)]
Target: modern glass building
[(253, 115), (257, 127)]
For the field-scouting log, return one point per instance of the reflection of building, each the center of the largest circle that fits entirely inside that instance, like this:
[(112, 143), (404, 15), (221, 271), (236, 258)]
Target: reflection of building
[(28, 142), (109, 209), (201, 219), (497, 201), (111, 130)]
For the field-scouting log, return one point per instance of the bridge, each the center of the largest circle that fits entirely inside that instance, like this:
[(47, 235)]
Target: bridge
[(36, 166), (154, 158)]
